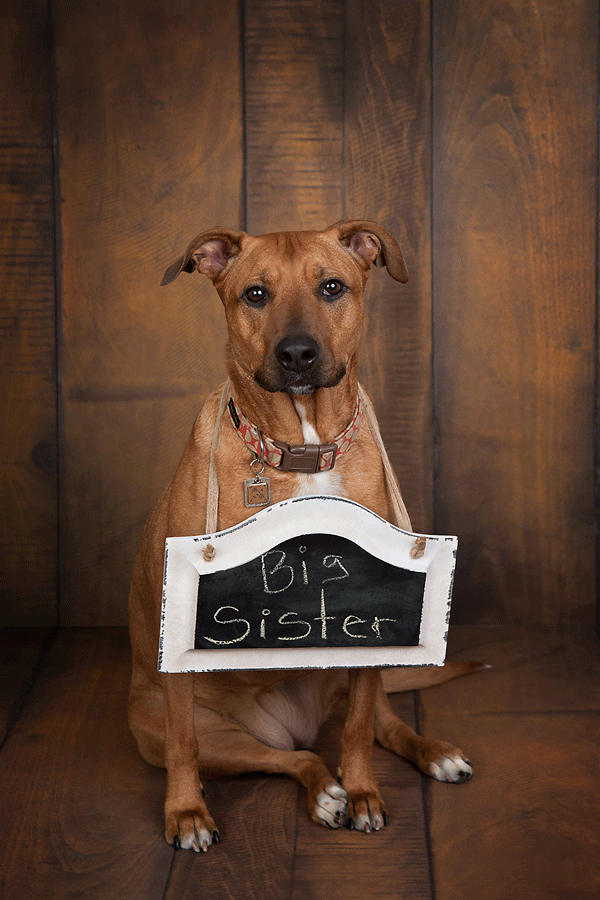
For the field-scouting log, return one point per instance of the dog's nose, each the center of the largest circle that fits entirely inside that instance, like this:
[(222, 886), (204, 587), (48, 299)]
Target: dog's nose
[(298, 353)]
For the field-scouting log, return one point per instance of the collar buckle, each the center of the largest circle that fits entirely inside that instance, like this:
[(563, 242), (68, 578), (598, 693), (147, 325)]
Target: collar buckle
[(306, 458)]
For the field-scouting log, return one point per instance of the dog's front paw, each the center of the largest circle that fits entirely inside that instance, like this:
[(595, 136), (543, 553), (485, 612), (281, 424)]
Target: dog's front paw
[(366, 811), (191, 830), (453, 768), (328, 805), (446, 763)]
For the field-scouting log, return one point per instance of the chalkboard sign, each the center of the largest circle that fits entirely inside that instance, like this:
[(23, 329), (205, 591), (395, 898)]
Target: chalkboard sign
[(317, 590), (309, 582)]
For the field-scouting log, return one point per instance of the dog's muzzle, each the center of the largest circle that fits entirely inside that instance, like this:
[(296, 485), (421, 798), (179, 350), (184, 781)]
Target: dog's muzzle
[(298, 366)]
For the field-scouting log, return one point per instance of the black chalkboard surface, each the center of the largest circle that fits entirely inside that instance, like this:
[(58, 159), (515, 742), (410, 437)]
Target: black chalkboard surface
[(311, 582), (311, 591)]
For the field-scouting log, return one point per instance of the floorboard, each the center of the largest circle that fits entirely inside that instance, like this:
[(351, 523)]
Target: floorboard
[(82, 812), (527, 824), (348, 865), (21, 651), (256, 818)]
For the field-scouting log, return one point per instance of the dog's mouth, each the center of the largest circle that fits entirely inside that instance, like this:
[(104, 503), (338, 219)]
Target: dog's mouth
[(297, 384), (298, 389)]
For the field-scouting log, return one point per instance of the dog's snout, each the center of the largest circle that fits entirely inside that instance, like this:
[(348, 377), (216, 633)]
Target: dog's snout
[(297, 353)]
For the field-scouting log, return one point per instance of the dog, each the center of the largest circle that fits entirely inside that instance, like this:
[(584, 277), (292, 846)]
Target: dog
[(294, 309)]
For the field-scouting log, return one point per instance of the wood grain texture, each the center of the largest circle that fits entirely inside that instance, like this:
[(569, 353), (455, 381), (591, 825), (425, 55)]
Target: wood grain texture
[(515, 147), (387, 149), (82, 812), (151, 154), (294, 78), (526, 825), (28, 505)]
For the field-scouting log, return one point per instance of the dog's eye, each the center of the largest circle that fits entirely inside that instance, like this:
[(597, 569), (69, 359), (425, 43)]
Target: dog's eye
[(332, 288), (256, 295)]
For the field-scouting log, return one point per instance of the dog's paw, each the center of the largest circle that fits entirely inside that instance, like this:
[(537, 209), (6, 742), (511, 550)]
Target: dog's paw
[(445, 762), (454, 768), (329, 805), (366, 812), (191, 830)]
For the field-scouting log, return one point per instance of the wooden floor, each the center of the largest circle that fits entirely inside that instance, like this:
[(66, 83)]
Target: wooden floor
[(81, 812)]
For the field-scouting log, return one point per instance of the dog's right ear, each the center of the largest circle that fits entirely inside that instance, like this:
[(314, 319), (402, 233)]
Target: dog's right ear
[(208, 253)]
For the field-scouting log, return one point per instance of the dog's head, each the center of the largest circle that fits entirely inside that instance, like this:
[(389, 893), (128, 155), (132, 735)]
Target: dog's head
[(293, 299)]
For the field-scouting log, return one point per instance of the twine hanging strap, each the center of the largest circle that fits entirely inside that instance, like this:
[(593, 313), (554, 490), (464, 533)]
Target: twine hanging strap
[(400, 512), (212, 493)]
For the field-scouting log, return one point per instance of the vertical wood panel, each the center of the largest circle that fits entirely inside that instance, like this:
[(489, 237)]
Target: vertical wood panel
[(151, 154), (28, 505), (302, 173), (388, 162), (514, 280), (294, 114)]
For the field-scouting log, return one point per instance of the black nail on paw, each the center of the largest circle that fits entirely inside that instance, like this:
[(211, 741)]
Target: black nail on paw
[(216, 839), (386, 820), (176, 842)]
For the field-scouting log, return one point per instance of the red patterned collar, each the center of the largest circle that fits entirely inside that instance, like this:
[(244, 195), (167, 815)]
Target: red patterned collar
[(306, 458)]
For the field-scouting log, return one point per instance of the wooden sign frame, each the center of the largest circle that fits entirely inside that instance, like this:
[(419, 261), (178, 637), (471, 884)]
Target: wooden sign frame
[(187, 561)]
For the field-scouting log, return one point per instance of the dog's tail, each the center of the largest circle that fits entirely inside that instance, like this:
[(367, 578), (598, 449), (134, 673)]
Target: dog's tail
[(409, 678)]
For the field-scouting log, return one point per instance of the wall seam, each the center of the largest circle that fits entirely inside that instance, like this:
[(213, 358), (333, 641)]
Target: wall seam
[(596, 409), (57, 255)]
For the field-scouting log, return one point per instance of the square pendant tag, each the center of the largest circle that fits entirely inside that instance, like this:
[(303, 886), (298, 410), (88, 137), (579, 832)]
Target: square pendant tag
[(257, 492)]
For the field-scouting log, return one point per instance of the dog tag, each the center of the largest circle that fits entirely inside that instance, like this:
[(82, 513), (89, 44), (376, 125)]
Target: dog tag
[(257, 491)]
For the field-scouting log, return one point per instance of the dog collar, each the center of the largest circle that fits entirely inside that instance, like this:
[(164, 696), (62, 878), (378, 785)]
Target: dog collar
[(306, 458)]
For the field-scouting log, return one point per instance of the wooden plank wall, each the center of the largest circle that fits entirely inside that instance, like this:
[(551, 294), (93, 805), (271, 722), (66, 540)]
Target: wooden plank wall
[(150, 145), (468, 129), (514, 272), (28, 417)]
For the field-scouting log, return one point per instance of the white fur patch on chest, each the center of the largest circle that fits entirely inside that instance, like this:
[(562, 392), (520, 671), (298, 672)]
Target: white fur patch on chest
[(322, 482)]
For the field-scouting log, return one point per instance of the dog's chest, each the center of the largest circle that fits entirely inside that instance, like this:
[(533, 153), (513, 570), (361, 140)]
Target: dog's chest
[(322, 482)]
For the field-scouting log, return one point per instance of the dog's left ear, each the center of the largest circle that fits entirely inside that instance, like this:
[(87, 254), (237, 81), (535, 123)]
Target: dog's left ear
[(208, 253), (373, 244)]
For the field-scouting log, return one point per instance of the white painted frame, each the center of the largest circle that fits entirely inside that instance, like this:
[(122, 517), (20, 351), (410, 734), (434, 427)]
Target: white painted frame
[(184, 562)]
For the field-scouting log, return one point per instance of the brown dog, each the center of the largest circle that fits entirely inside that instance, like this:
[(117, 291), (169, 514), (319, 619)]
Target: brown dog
[(294, 308)]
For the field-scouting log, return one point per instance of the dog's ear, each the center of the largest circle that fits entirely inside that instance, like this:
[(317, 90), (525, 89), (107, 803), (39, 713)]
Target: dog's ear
[(208, 253), (373, 244)]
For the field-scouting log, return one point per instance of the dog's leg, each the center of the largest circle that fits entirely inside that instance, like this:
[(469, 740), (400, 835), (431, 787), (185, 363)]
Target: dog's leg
[(366, 811), (228, 749), (436, 758), (187, 821)]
